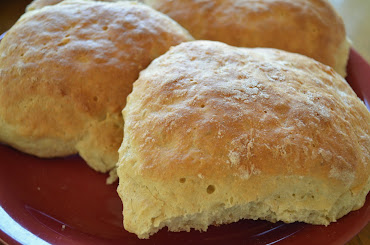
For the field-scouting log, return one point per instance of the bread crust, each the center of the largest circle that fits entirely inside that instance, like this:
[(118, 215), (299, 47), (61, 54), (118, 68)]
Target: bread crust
[(214, 134), (65, 72), (309, 27), (38, 4)]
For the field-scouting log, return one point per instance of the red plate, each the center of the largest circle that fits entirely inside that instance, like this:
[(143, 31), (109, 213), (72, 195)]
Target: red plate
[(63, 201)]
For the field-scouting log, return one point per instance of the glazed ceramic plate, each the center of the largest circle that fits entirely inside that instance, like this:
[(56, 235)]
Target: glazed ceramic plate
[(63, 201)]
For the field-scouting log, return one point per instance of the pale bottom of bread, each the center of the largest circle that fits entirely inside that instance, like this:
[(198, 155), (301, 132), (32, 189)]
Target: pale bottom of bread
[(94, 147), (342, 57), (40, 147), (147, 210), (252, 210)]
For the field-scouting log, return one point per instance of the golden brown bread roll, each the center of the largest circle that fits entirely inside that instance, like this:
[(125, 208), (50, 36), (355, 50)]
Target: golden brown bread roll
[(215, 133), (65, 72), (309, 27)]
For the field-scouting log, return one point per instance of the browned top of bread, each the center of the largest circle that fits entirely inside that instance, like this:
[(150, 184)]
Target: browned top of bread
[(258, 126), (309, 27), (246, 106), (65, 72), (37, 4)]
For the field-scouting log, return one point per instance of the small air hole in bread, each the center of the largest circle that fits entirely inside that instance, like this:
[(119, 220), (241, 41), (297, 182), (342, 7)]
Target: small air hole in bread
[(211, 189)]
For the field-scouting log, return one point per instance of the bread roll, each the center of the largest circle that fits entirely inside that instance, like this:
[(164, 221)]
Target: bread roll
[(309, 27), (214, 134), (65, 72)]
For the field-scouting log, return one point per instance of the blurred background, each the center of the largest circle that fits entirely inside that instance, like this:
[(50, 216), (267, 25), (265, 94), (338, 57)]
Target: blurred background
[(10, 11), (356, 16), (355, 13)]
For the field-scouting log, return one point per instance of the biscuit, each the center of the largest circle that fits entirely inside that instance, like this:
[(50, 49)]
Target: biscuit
[(214, 134), (65, 72), (309, 27)]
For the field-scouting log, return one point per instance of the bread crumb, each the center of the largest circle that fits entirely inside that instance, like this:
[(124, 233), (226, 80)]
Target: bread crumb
[(244, 174), (326, 155), (219, 134), (234, 158), (347, 177)]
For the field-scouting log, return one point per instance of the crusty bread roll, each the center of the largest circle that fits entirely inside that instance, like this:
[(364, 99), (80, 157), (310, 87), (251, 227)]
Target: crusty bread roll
[(65, 72), (309, 27), (215, 133)]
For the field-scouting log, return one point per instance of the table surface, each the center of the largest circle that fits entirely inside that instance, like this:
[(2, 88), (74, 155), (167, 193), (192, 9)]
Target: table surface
[(355, 13)]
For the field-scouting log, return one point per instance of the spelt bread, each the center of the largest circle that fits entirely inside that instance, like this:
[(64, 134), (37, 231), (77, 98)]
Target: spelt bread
[(65, 72), (309, 27), (214, 134)]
